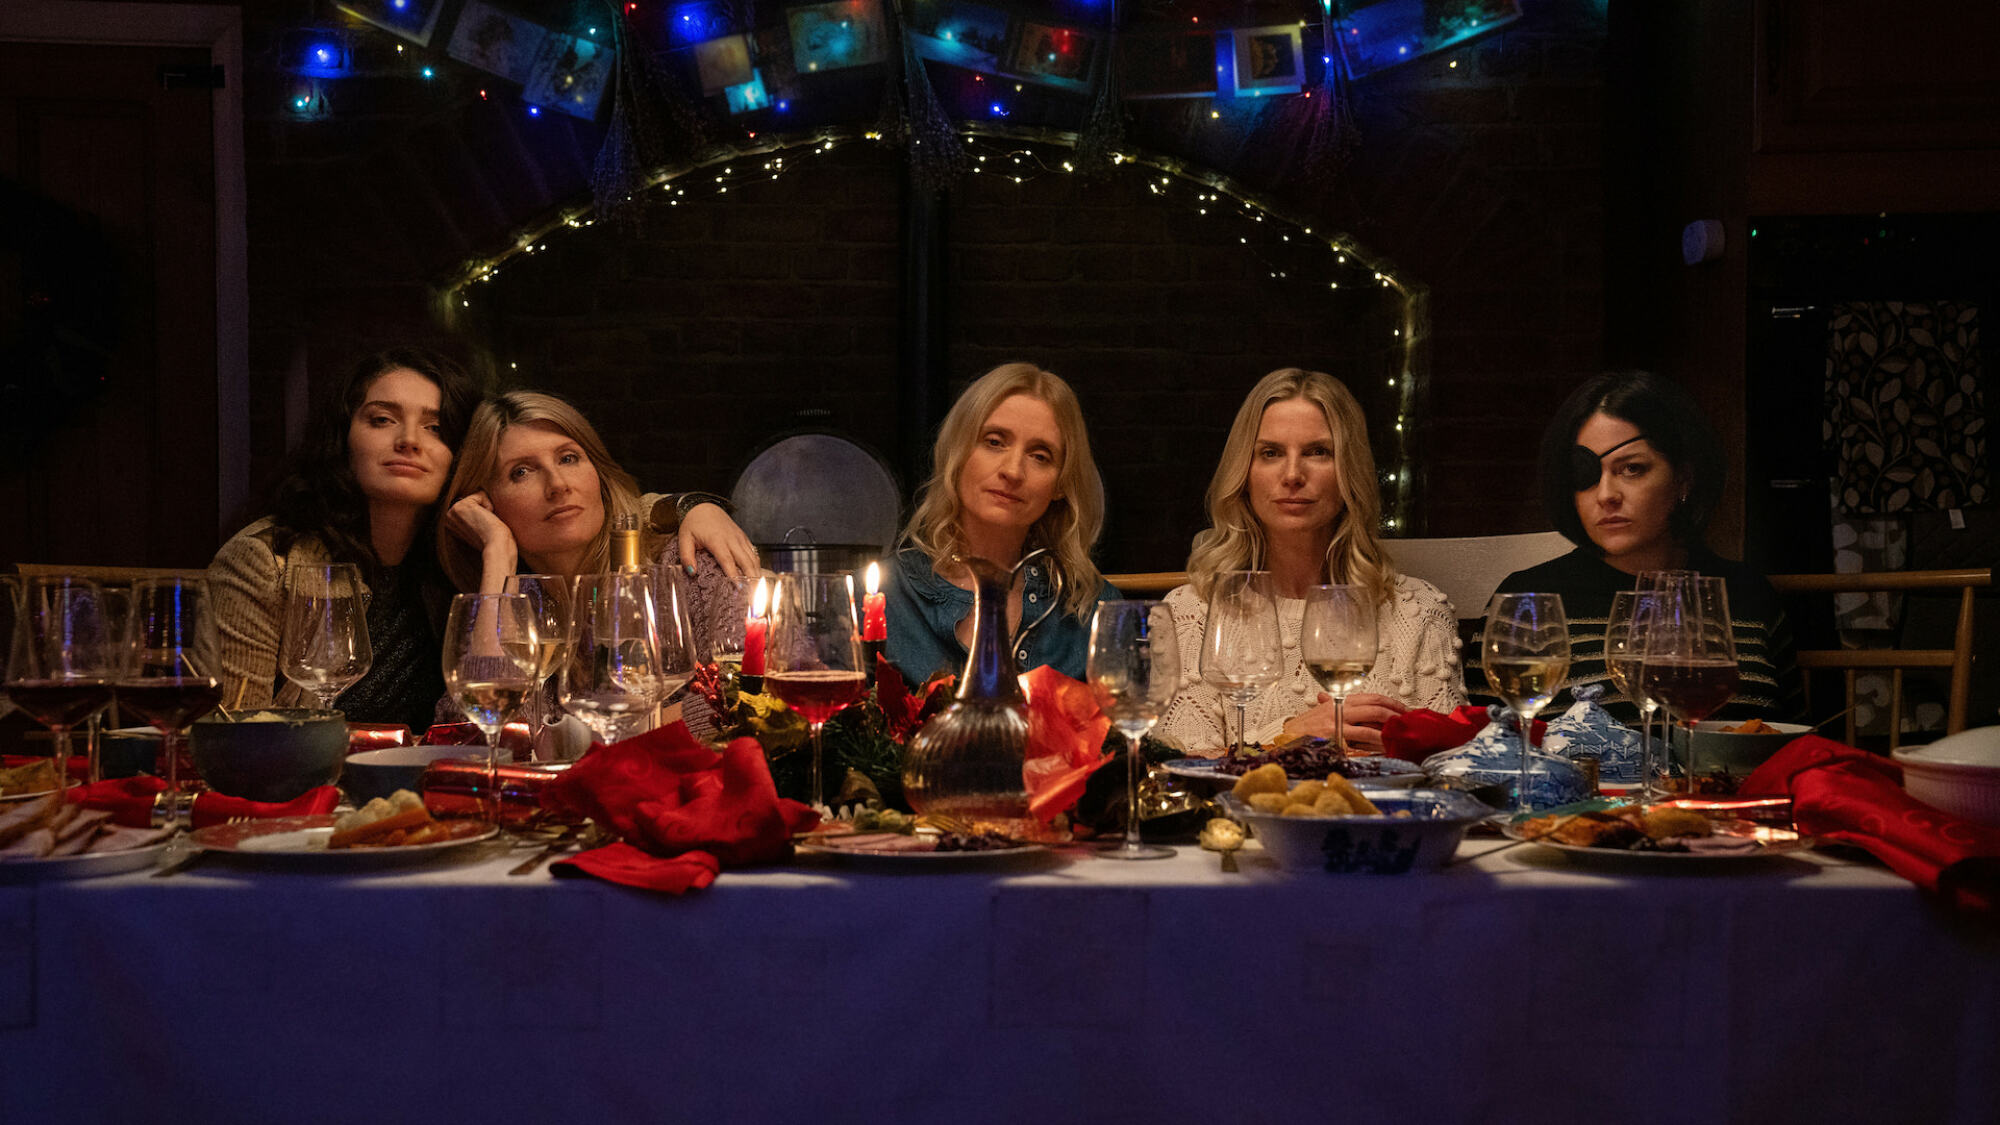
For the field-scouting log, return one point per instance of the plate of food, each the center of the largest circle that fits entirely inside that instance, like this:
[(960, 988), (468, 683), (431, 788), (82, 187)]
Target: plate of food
[(25, 782), (912, 846), (1665, 833), (56, 839), (386, 830)]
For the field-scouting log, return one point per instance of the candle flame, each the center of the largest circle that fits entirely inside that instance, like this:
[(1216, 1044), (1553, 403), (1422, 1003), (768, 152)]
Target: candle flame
[(874, 577), (761, 599)]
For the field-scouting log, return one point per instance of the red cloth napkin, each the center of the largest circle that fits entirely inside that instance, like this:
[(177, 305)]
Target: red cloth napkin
[(130, 802), (1066, 730), (1849, 795), (681, 811), (1416, 735)]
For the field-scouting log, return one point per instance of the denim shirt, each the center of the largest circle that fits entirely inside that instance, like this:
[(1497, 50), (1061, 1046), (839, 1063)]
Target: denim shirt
[(924, 610)]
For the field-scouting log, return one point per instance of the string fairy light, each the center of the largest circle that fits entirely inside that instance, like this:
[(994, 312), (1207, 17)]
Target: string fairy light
[(1021, 155)]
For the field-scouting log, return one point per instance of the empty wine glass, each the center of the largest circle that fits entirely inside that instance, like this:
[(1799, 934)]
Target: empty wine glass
[(549, 602), (10, 616), (611, 673), (1526, 655), (1690, 653), (64, 656), (1134, 670), (813, 660), (491, 656), (1337, 643), (1624, 655), (673, 617), (325, 648), (167, 629), (1242, 651)]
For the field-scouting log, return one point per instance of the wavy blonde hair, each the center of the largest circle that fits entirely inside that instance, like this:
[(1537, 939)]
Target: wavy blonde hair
[(480, 456), (1234, 539), (1068, 529)]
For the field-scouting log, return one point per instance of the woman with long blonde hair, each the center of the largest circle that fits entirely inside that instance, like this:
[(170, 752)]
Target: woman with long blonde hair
[(1295, 495), (1011, 474)]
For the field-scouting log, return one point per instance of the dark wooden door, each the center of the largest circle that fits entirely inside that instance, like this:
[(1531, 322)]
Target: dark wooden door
[(115, 460)]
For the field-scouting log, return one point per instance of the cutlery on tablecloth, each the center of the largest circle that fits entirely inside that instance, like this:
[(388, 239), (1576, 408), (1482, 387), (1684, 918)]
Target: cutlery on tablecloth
[(554, 847)]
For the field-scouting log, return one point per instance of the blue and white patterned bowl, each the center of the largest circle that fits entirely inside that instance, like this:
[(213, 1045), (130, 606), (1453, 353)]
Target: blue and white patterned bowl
[(1368, 845)]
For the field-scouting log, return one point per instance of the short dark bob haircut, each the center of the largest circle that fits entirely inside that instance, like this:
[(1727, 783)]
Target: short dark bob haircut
[(1665, 414)]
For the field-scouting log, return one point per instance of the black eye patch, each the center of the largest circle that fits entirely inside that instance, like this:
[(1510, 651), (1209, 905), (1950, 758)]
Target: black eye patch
[(1586, 466)]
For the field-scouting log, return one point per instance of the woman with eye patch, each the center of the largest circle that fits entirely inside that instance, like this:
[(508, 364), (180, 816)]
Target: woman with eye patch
[(1631, 473), (1012, 475), (362, 488), (1294, 495)]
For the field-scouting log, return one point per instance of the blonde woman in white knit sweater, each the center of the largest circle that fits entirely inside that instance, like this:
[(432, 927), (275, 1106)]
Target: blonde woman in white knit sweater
[(1295, 495)]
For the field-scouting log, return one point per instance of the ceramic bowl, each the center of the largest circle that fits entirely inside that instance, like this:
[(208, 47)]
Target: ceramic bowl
[(269, 759), (1959, 773), (378, 773), (1734, 754), (1373, 845)]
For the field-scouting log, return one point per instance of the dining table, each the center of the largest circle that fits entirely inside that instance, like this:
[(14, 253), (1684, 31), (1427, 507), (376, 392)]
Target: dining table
[(1518, 983)]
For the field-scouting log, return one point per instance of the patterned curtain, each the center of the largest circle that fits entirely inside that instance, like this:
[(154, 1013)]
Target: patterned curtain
[(1905, 417)]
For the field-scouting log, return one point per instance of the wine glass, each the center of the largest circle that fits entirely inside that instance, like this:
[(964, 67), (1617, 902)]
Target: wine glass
[(325, 648), (611, 672), (549, 602), (813, 659), (1242, 651), (1690, 653), (1526, 655), (167, 629), (10, 616), (1624, 654), (673, 619), (1134, 669), (1337, 643), (64, 656), (491, 656), (727, 643)]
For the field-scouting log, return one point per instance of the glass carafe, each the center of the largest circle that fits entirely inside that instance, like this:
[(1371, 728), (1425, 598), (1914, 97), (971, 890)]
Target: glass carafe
[(966, 761)]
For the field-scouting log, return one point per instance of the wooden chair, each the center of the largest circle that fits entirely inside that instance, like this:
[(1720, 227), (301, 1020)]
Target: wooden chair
[(1468, 569), (1957, 658)]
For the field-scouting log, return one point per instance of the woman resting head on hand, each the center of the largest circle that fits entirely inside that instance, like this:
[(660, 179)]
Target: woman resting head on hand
[(362, 488), (1295, 495), (1012, 474), (1631, 472)]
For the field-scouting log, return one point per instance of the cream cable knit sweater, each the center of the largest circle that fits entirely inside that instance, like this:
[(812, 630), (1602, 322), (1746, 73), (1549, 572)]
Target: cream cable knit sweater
[(1417, 662)]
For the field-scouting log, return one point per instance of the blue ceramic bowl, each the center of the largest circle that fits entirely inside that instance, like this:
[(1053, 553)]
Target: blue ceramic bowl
[(378, 773), (1369, 845)]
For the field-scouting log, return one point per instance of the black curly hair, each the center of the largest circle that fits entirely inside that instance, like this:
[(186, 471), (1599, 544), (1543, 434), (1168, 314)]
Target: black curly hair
[(319, 494)]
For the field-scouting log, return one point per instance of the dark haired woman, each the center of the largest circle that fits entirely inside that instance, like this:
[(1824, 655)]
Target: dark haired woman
[(1630, 473), (363, 489)]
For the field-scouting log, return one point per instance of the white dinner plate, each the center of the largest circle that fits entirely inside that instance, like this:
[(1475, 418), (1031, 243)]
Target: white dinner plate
[(860, 851), (1765, 850), (4, 797), (88, 865), (302, 839)]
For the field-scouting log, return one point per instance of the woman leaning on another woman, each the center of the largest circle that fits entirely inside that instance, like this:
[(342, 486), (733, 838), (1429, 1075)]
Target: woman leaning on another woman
[(362, 488), (1295, 495), (1631, 473), (1012, 474)]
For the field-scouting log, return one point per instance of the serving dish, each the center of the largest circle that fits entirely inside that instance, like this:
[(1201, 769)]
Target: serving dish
[(1717, 748), (888, 849), (1418, 830), (1959, 773), (1395, 772)]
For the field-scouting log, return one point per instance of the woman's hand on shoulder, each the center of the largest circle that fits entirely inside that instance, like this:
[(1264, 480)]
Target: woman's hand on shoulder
[(1366, 712), (707, 527)]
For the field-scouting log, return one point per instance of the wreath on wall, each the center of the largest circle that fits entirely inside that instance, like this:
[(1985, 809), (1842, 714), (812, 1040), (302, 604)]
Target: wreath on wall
[(60, 303)]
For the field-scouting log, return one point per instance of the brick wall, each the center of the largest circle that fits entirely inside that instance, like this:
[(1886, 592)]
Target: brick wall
[(732, 321)]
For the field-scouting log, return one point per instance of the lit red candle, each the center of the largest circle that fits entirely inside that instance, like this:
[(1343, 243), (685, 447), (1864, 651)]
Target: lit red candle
[(875, 608), (754, 629)]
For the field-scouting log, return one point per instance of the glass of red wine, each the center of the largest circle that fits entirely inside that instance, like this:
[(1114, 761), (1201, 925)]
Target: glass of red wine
[(63, 658), (813, 656), (1690, 653), (161, 678)]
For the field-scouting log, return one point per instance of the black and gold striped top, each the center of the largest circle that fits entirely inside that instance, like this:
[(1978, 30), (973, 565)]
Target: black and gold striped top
[(1770, 686)]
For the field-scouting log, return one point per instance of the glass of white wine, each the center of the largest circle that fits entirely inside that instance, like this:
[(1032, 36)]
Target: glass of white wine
[(1624, 654), (491, 655), (325, 648), (1337, 642), (549, 599), (1242, 651), (1526, 652)]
